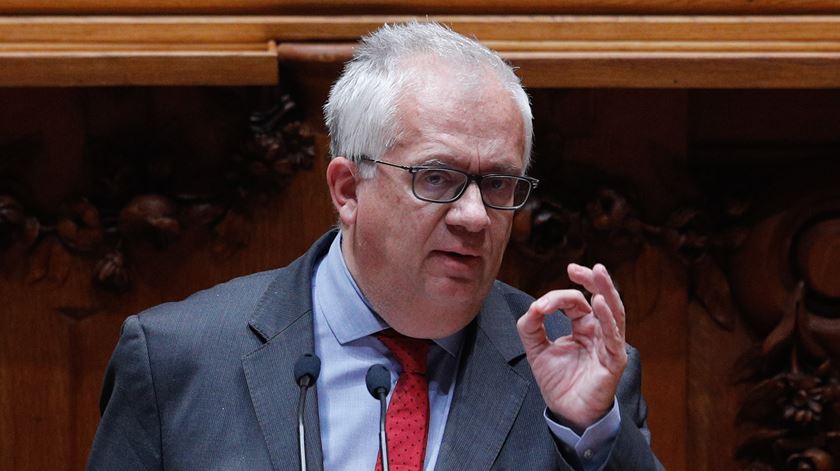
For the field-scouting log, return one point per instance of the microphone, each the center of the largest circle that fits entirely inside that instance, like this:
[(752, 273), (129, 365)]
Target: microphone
[(307, 368), (378, 381)]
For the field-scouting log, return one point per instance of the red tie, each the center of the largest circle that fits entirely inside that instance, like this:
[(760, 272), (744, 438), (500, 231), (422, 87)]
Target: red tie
[(407, 420)]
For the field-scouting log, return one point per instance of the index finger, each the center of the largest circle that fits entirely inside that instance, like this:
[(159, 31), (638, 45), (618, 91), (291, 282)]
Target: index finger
[(530, 325)]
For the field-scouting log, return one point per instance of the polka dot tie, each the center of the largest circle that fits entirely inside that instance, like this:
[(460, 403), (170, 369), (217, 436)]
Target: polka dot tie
[(407, 419)]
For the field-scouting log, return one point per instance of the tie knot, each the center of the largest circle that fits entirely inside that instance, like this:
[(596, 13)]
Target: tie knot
[(411, 353)]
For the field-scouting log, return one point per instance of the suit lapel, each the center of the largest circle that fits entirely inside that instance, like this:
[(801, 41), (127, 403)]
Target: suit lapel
[(283, 320), (488, 394)]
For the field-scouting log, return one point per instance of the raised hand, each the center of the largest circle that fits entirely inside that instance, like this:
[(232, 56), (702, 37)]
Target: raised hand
[(578, 374)]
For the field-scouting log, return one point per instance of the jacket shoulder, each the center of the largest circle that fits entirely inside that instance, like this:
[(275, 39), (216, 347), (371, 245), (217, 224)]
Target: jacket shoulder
[(232, 300)]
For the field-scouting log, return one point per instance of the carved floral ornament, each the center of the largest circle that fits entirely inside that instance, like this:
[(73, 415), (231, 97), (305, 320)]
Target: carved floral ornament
[(791, 414), (782, 278), (143, 200), (608, 228)]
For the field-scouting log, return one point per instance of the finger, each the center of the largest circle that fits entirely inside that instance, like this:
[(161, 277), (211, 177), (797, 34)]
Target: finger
[(598, 281), (577, 309), (571, 301), (611, 337), (586, 332), (606, 287), (531, 327), (583, 276), (532, 330)]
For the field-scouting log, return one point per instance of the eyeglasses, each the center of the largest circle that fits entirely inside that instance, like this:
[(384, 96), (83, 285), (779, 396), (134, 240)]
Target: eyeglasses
[(446, 185)]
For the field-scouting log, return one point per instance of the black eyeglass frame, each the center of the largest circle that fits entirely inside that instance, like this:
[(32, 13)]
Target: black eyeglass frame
[(414, 169)]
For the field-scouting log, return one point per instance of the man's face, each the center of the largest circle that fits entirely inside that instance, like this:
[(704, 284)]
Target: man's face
[(427, 267)]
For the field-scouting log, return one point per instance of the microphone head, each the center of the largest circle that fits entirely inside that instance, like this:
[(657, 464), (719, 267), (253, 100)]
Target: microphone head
[(378, 379), (307, 368)]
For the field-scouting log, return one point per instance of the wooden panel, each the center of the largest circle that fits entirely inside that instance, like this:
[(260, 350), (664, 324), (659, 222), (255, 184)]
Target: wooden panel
[(676, 70), (255, 29), (552, 51), (586, 139), (421, 6), (36, 383), (92, 68), (590, 64), (52, 363), (679, 46), (712, 400), (141, 47)]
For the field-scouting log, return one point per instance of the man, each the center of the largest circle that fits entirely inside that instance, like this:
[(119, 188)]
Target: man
[(431, 138)]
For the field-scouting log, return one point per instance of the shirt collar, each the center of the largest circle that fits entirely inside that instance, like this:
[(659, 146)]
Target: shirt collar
[(344, 306)]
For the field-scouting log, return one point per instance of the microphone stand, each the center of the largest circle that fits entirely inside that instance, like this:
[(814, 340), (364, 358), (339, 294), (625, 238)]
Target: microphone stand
[(306, 372), (378, 381), (383, 437), (301, 408)]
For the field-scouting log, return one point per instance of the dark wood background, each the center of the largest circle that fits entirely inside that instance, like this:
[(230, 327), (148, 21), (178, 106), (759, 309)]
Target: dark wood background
[(707, 205)]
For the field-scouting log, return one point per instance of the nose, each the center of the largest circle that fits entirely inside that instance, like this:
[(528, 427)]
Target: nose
[(469, 211)]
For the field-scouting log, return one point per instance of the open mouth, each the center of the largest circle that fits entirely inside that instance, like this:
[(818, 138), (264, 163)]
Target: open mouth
[(459, 256), (459, 261)]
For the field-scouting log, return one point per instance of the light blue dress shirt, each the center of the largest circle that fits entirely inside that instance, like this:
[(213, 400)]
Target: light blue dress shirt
[(349, 416)]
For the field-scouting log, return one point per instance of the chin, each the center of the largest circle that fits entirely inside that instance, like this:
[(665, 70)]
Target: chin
[(455, 311), (444, 306), (435, 316), (453, 290), (439, 327)]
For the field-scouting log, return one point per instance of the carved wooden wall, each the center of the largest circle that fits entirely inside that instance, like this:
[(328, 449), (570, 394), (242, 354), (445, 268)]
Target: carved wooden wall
[(179, 181), (717, 211)]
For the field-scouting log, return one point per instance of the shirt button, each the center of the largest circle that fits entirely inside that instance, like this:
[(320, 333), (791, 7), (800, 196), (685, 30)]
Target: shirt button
[(587, 454)]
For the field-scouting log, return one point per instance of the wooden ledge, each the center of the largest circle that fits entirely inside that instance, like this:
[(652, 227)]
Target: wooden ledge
[(419, 7), (252, 29), (84, 64), (642, 66), (551, 51)]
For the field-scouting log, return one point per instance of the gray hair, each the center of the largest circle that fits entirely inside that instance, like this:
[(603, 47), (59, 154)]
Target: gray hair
[(360, 111)]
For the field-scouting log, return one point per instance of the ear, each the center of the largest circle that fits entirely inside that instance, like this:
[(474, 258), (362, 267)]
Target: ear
[(342, 182)]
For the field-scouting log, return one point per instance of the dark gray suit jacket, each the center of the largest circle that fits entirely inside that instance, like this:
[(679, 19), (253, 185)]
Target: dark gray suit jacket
[(207, 383)]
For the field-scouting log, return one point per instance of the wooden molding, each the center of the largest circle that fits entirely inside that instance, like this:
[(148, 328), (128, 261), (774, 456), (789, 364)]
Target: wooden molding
[(423, 7), (116, 65), (551, 51), (260, 29), (95, 67)]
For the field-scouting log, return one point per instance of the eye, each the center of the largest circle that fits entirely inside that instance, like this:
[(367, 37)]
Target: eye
[(436, 178), (498, 184)]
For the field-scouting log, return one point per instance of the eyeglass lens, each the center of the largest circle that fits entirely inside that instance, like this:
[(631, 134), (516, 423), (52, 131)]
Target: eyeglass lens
[(444, 185)]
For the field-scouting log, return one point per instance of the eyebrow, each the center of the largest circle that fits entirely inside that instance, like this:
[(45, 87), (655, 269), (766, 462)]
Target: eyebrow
[(435, 163), (504, 169)]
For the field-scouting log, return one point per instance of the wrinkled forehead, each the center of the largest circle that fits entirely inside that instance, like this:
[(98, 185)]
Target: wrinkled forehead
[(440, 115), (431, 82)]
